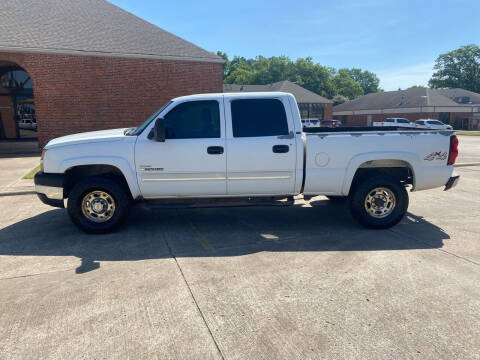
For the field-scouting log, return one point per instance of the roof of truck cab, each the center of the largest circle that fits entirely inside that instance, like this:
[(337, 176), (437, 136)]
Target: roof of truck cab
[(236, 95)]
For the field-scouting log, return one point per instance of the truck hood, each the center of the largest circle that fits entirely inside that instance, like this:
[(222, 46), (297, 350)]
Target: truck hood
[(87, 137)]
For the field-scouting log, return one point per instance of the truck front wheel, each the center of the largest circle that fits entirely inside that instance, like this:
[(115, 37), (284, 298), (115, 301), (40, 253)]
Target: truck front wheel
[(379, 202), (98, 205)]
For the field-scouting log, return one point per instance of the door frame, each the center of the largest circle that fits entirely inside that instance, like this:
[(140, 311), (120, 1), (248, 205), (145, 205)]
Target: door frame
[(161, 176), (291, 140)]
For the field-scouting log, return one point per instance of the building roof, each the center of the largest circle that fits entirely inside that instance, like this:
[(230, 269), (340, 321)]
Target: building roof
[(301, 94), (461, 96), (410, 98), (89, 27)]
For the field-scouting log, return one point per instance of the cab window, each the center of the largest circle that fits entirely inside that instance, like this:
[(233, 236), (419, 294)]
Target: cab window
[(258, 117), (193, 120)]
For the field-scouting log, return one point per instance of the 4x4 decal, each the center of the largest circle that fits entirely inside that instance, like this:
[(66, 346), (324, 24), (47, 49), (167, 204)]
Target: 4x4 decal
[(436, 155)]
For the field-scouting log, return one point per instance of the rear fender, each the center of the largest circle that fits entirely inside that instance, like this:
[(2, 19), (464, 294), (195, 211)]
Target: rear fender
[(361, 160)]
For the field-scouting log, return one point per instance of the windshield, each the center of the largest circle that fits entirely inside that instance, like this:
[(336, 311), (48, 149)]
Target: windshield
[(138, 130)]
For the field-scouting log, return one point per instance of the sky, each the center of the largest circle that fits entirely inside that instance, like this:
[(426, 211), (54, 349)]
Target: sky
[(398, 40)]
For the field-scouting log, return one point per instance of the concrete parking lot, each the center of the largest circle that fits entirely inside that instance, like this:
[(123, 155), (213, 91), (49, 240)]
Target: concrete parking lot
[(245, 283), (469, 147)]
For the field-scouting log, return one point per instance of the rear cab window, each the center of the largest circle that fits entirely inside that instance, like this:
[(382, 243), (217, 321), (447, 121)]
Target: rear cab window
[(258, 118)]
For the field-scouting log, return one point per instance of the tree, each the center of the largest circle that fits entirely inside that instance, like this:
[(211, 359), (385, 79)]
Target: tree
[(240, 76), (238, 65), (270, 70), (459, 68), (311, 76), (416, 87), (346, 86), (366, 79), (339, 99), (226, 64), (325, 81)]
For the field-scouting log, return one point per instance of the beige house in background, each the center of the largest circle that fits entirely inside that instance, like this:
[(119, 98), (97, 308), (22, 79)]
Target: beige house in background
[(457, 107)]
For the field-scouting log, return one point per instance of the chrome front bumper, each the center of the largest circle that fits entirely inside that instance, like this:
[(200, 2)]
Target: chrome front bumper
[(50, 192), (49, 188)]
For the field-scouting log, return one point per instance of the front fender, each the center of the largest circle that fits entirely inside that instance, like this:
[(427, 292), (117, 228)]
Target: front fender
[(354, 164), (119, 162)]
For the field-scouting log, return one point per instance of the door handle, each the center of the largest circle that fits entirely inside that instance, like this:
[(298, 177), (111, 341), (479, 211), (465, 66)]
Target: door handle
[(215, 150), (280, 149)]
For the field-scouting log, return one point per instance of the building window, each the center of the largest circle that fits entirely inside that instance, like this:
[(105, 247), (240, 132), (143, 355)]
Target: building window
[(344, 120), (303, 111), (17, 106), (311, 111), (317, 111), (444, 117)]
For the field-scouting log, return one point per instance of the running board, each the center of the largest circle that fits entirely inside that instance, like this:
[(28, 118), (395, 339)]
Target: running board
[(218, 202)]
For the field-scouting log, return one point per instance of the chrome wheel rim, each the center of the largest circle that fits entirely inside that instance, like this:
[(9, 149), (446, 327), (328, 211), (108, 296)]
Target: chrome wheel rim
[(380, 202), (98, 206)]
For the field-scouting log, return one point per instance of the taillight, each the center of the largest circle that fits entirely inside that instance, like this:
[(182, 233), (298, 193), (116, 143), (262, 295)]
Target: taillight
[(452, 155)]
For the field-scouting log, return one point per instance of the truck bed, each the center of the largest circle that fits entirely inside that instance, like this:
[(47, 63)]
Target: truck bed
[(314, 130), (333, 155)]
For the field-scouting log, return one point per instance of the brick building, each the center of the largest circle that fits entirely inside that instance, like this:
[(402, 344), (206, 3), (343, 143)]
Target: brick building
[(310, 104), (457, 107), (88, 65)]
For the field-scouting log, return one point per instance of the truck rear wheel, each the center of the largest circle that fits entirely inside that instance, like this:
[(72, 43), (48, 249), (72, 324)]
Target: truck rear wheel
[(379, 202), (98, 205)]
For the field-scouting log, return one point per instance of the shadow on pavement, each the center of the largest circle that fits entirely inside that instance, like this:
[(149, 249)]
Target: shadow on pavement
[(149, 234)]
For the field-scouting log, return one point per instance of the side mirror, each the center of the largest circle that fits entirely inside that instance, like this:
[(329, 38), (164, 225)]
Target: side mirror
[(158, 131)]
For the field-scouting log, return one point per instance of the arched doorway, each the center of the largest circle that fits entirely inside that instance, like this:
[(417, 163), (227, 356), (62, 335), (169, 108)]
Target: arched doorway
[(17, 107)]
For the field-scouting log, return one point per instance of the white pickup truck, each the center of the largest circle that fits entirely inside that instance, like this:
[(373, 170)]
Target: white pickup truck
[(240, 149)]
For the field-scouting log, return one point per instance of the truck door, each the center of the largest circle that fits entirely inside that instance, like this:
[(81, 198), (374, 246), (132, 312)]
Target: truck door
[(192, 160), (261, 146)]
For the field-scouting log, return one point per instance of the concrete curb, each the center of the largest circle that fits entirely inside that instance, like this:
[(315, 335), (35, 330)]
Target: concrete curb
[(15, 193), (21, 155)]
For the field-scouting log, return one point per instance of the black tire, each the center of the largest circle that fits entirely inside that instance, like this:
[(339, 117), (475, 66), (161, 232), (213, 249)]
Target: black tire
[(362, 213), (108, 186), (337, 198)]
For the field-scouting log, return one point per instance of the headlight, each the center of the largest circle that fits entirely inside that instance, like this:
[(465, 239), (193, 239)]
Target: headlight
[(41, 159)]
